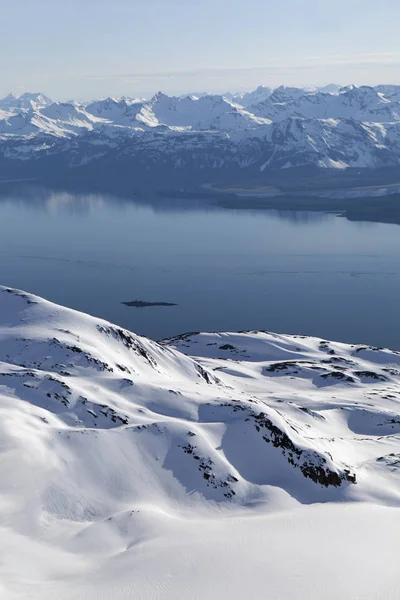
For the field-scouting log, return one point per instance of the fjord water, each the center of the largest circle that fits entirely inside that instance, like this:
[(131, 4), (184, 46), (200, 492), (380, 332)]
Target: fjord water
[(307, 273)]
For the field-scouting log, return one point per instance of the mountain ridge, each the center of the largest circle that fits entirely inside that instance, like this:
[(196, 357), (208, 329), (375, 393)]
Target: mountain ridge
[(351, 127)]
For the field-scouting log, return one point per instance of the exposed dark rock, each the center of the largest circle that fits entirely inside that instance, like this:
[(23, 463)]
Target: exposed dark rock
[(312, 464), (370, 375)]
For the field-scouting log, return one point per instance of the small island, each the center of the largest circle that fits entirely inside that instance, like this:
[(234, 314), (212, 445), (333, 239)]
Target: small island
[(143, 304)]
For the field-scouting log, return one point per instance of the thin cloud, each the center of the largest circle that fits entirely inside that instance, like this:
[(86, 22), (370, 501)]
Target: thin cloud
[(388, 59)]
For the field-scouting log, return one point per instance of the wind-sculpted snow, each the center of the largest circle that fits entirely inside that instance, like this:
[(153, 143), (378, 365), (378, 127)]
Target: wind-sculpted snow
[(287, 127), (115, 448)]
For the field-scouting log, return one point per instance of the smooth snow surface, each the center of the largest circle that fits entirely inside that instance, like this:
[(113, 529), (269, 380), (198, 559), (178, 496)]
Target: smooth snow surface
[(209, 466)]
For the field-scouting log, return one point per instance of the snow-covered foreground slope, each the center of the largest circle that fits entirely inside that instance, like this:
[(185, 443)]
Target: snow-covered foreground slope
[(208, 466)]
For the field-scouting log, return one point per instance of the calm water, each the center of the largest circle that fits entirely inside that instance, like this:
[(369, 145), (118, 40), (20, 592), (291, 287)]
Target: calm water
[(226, 270)]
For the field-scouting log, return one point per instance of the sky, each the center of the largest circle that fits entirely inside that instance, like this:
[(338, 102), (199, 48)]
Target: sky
[(87, 49)]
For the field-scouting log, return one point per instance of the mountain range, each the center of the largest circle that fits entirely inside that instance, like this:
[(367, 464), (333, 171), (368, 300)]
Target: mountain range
[(265, 129), (210, 465)]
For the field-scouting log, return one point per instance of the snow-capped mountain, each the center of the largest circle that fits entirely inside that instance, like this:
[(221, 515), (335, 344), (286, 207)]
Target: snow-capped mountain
[(123, 112), (70, 115), (329, 127), (391, 92), (362, 104), (182, 112), (189, 112), (131, 468), (246, 98), (25, 101), (56, 119)]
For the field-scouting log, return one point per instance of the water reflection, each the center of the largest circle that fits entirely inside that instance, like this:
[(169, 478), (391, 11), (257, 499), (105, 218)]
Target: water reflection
[(301, 216), (51, 201), (74, 202)]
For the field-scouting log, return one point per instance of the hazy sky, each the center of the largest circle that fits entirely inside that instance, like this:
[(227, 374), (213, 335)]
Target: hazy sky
[(92, 48)]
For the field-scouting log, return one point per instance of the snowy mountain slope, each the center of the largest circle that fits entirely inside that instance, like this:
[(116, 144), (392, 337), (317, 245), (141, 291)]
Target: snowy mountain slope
[(198, 113), (362, 104), (246, 98), (330, 88), (26, 123), (26, 101), (131, 469), (288, 127), (239, 121), (189, 112), (391, 92), (334, 143), (70, 116), (56, 119), (285, 93), (124, 112)]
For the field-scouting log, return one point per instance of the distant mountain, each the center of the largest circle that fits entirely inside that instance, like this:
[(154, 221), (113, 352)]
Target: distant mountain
[(331, 88), (125, 112), (25, 101), (247, 98), (255, 131), (121, 456), (70, 116), (362, 104), (391, 92)]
